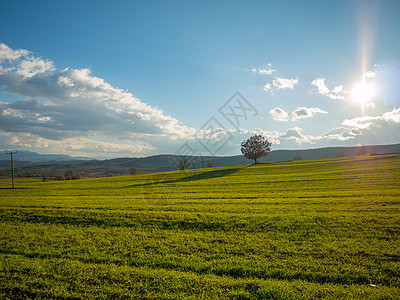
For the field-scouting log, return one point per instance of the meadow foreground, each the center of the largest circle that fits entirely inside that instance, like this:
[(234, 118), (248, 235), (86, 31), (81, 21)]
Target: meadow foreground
[(320, 229)]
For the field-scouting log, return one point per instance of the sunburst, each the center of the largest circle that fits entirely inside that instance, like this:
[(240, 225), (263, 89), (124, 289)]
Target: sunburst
[(363, 92)]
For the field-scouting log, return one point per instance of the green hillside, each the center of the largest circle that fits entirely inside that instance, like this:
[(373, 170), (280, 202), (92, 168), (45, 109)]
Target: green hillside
[(164, 163), (318, 229)]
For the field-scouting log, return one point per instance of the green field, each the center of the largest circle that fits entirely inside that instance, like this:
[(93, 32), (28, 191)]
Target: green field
[(321, 229)]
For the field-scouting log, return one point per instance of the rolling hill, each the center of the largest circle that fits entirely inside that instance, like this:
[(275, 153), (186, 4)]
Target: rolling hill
[(58, 164)]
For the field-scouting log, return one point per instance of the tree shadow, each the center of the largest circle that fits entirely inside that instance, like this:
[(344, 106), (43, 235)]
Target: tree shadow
[(202, 176)]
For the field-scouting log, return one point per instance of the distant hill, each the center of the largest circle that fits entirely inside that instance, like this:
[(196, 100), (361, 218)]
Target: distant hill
[(29, 158), (36, 157), (330, 152), (34, 164)]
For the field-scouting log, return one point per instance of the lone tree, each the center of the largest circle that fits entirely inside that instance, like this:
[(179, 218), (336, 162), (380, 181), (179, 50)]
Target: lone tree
[(341, 153), (70, 175), (256, 147), (362, 151), (183, 163), (44, 178)]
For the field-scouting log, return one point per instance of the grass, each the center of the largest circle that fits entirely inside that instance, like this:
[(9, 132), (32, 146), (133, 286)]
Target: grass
[(320, 229), (6, 180)]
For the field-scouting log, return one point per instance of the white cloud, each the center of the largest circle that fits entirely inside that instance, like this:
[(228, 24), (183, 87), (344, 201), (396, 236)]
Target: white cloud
[(33, 66), (364, 130), (366, 122), (11, 112), (72, 146), (267, 87), (360, 123), (381, 129), (393, 115), (297, 135), (241, 134), (320, 84), (278, 82), (71, 104), (337, 92), (276, 138), (279, 114), (65, 81), (306, 112), (339, 134), (272, 136), (266, 71), (6, 53), (284, 83)]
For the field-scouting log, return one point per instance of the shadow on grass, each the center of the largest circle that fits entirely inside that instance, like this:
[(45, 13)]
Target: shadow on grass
[(201, 176)]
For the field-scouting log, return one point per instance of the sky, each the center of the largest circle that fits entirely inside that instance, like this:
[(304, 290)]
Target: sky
[(138, 78)]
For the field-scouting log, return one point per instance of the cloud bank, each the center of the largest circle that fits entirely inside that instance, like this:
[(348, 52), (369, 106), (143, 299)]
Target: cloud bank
[(279, 114), (337, 93), (264, 71), (73, 107), (280, 83), (285, 83), (306, 112)]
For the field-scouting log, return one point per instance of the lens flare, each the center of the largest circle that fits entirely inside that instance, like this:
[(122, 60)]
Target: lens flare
[(363, 92)]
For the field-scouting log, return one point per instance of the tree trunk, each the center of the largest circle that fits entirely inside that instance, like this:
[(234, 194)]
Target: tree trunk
[(255, 160)]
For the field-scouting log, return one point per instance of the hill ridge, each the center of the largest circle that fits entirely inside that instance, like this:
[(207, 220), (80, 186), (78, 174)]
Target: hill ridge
[(167, 162)]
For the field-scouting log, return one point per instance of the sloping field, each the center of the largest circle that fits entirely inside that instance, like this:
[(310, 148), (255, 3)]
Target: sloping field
[(321, 229)]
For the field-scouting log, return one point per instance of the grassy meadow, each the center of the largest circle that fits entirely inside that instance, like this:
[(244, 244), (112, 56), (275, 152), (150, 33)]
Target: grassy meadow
[(318, 229)]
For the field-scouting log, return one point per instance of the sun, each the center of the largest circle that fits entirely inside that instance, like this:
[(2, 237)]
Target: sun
[(363, 92)]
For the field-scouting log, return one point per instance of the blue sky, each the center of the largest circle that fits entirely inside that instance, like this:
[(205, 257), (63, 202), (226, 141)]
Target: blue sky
[(130, 78)]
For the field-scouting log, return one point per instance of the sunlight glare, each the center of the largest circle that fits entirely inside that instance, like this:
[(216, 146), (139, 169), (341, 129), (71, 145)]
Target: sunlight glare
[(363, 92)]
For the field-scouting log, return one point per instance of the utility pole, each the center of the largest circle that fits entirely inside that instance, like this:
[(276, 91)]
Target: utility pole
[(12, 165)]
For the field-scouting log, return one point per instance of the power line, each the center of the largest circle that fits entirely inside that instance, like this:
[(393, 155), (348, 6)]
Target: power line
[(12, 165)]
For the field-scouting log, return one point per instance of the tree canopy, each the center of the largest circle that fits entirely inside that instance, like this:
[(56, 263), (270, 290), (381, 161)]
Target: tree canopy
[(183, 163), (255, 147)]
